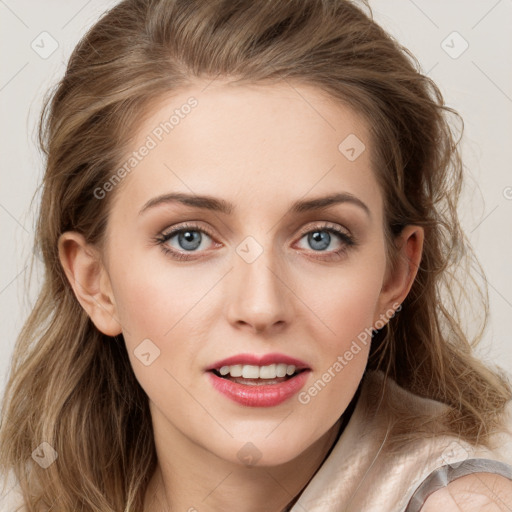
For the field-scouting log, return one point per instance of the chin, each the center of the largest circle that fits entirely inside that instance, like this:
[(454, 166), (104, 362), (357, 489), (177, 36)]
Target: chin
[(264, 450)]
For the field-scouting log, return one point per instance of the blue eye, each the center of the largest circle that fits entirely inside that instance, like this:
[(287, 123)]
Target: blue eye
[(319, 242), (190, 238), (321, 237)]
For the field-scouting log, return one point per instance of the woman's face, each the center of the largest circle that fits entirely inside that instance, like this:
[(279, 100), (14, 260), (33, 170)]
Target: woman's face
[(264, 273)]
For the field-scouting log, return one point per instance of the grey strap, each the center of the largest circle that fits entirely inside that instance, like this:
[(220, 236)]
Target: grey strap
[(442, 476)]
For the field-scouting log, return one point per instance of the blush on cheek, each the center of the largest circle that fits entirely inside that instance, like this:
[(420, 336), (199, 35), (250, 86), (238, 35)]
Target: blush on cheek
[(145, 307), (351, 319)]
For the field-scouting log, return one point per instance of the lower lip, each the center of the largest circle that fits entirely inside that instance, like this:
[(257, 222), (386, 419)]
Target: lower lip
[(259, 395)]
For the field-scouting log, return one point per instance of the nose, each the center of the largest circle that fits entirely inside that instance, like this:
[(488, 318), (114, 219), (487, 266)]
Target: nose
[(259, 295)]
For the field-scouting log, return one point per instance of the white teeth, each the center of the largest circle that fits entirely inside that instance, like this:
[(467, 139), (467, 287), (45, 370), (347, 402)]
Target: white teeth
[(268, 372), (281, 370), (249, 371), (236, 370)]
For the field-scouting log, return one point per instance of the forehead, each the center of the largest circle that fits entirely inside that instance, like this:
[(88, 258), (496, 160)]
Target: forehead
[(252, 144)]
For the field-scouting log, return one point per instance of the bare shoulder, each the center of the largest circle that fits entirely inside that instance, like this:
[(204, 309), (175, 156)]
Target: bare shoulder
[(478, 492)]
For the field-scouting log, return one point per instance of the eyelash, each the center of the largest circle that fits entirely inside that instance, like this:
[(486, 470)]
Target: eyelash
[(347, 240)]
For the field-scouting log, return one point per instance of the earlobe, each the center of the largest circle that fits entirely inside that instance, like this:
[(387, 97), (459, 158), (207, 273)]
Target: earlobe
[(90, 282), (400, 279)]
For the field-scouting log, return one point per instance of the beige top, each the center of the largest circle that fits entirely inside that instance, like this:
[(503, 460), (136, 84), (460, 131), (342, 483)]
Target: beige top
[(366, 473)]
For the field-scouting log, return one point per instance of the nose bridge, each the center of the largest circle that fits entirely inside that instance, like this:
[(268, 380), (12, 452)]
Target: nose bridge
[(259, 296)]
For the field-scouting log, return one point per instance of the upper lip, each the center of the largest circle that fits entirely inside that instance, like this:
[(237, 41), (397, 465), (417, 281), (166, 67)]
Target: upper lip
[(259, 360)]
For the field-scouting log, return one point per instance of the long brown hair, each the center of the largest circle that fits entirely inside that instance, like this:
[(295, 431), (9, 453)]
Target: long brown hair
[(73, 387)]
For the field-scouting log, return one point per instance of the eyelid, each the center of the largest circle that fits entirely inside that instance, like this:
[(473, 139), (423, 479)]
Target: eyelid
[(191, 225), (325, 225)]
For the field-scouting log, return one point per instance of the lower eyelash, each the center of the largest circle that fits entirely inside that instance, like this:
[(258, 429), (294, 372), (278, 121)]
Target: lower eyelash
[(174, 254), (348, 241)]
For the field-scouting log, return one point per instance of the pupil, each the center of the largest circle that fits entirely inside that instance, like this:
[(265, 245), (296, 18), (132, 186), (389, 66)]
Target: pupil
[(190, 240), (320, 237)]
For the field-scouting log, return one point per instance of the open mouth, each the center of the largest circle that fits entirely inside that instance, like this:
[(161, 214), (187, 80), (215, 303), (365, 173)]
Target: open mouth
[(251, 375), (258, 386), (257, 381)]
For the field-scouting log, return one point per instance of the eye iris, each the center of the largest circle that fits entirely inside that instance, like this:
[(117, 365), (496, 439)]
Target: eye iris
[(191, 239), (319, 236)]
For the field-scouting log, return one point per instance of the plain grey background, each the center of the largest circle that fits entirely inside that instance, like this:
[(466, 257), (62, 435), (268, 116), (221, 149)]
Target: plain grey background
[(465, 47)]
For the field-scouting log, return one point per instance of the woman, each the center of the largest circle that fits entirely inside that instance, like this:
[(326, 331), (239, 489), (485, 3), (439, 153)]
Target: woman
[(248, 225)]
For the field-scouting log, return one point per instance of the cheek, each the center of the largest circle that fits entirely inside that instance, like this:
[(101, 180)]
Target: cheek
[(153, 298), (144, 308), (346, 299), (352, 309), (171, 307), (343, 339), (350, 315), (154, 305)]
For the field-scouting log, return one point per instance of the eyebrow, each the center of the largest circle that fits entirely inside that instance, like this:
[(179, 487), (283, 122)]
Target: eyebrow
[(223, 206)]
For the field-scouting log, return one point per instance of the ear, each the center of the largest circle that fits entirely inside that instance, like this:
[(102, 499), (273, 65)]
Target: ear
[(399, 280), (90, 281)]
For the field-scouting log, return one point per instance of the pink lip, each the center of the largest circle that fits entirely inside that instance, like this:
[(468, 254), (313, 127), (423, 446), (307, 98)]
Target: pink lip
[(259, 395), (264, 360)]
